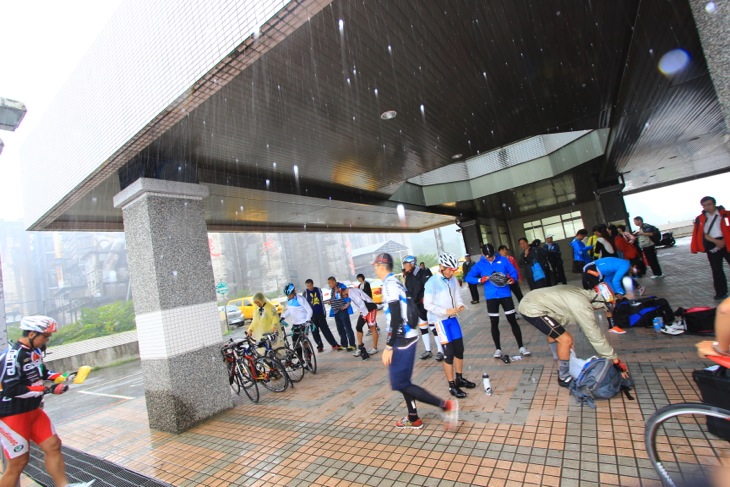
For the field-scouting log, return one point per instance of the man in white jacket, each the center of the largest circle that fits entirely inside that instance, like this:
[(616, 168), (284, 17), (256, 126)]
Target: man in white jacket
[(298, 311), (442, 300), (367, 309)]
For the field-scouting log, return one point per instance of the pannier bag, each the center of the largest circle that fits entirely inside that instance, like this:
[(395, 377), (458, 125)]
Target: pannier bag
[(641, 312), (715, 389), (699, 320)]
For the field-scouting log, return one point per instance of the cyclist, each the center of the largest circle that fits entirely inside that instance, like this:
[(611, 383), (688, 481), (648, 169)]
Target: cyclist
[(368, 310), (21, 417), (265, 320), (415, 279), (551, 309), (497, 273), (400, 350), (298, 312), (442, 299)]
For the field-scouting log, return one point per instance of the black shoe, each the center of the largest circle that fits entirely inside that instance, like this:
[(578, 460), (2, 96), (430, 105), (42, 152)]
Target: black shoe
[(505, 359), (439, 357), (456, 392), (465, 383), (476, 301), (363, 353), (565, 382), (320, 349)]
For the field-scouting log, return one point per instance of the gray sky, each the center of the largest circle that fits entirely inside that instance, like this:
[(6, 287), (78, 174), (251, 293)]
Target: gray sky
[(46, 39)]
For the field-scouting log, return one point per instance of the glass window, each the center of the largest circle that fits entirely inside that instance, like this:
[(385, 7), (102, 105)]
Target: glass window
[(559, 226)]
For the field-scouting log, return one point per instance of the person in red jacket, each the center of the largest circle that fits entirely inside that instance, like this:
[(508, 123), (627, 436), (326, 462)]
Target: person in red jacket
[(711, 235)]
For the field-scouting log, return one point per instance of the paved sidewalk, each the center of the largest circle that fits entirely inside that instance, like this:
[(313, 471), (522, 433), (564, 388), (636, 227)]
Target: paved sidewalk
[(336, 428)]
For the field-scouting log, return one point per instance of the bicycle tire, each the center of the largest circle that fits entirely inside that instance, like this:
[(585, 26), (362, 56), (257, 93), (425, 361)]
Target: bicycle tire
[(293, 364), (660, 416), (310, 358), (233, 379), (248, 384), (272, 374)]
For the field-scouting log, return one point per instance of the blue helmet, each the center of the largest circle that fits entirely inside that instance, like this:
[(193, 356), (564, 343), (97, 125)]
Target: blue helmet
[(288, 289), (409, 259)]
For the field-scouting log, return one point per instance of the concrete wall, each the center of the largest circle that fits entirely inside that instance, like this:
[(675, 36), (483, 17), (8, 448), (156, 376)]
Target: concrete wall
[(95, 358)]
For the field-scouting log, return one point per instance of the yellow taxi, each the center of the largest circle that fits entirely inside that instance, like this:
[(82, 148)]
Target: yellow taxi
[(376, 286), (247, 306)]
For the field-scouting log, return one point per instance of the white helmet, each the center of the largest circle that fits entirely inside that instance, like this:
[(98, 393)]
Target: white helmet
[(39, 324), (448, 260)]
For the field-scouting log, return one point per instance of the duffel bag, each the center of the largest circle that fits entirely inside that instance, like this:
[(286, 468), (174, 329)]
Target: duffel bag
[(699, 320), (641, 312)]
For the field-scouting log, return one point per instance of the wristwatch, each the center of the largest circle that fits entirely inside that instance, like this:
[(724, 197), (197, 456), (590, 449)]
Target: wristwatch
[(726, 353)]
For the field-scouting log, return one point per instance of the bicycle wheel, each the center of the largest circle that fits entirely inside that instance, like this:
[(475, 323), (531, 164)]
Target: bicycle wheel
[(310, 358), (248, 384), (292, 363), (687, 436), (233, 378), (272, 374)]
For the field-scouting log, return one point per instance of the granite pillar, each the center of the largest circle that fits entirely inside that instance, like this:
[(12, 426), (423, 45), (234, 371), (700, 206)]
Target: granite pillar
[(712, 19), (175, 304)]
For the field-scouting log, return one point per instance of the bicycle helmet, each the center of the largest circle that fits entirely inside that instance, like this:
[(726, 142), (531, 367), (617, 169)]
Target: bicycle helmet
[(499, 279), (409, 259), (448, 260), (288, 289), (39, 324)]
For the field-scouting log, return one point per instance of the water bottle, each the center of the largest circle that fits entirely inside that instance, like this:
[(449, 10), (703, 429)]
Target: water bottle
[(487, 384), (658, 324)]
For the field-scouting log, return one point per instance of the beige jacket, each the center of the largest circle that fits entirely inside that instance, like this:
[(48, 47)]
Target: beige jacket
[(568, 305)]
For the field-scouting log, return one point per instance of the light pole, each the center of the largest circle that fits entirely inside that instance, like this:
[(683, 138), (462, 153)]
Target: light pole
[(11, 114)]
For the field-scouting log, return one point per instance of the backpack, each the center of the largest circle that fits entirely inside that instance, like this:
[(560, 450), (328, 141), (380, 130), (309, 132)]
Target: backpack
[(656, 234), (599, 379)]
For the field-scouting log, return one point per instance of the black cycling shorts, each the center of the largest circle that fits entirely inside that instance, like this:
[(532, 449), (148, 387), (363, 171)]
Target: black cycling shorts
[(546, 325)]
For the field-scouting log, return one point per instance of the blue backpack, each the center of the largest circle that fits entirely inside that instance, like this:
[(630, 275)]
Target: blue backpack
[(599, 379)]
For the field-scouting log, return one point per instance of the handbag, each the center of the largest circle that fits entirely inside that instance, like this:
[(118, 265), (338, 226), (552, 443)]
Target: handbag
[(537, 272)]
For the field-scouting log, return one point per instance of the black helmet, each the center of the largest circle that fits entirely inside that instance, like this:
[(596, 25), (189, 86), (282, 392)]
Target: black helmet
[(488, 250), (499, 279)]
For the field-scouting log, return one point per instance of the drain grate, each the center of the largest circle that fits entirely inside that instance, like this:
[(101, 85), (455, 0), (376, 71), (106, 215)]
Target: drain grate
[(82, 467)]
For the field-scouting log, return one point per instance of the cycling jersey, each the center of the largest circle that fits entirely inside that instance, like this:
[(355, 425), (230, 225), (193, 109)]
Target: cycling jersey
[(22, 375), (395, 292), (298, 310), (441, 294)]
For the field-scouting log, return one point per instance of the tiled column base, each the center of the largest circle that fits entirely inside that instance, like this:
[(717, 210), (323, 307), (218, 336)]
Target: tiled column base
[(184, 390)]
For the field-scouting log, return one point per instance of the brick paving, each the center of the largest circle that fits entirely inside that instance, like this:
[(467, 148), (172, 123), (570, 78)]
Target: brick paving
[(336, 427)]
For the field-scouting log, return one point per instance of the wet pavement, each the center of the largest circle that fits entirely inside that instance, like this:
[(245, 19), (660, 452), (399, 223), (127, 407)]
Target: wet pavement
[(337, 427)]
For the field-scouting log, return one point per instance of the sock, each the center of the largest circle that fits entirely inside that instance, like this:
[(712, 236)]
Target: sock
[(611, 321), (426, 340), (459, 377), (452, 384), (554, 348), (412, 417), (563, 368), (439, 347)]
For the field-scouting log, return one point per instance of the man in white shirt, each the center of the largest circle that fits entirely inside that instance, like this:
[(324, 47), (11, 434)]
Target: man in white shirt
[(367, 309)]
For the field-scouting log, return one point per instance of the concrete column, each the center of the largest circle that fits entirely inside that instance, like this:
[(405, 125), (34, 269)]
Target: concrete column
[(712, 19), (174, 301)]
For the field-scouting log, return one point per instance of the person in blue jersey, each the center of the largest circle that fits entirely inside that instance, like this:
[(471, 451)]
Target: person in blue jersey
[(341, 310), (580, 251), (497, 273), (400, 350), (442, 299)]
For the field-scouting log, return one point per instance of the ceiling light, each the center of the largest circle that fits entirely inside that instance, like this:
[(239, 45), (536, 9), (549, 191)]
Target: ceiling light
[(457, 156), (388, 114), (11, 114)]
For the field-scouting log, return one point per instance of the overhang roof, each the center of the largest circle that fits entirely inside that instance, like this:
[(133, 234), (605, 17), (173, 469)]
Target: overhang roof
[(300, 121)]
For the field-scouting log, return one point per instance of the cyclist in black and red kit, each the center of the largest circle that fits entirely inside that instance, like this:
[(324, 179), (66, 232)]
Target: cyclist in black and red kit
[(21, 417)]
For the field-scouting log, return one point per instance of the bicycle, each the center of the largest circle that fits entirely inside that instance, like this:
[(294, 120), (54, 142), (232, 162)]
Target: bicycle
[(266, 368), (289, 358), (239, 375), (688, 431), (301, 351)]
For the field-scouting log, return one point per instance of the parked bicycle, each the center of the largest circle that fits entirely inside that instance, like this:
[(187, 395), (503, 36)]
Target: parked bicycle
[(266, 368), (680, 450), (301, 350), (241, 368)]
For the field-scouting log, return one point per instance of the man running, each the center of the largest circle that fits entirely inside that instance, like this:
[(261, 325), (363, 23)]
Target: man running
[(551, 309), (21, 417), (442, 299), (400, 350)]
